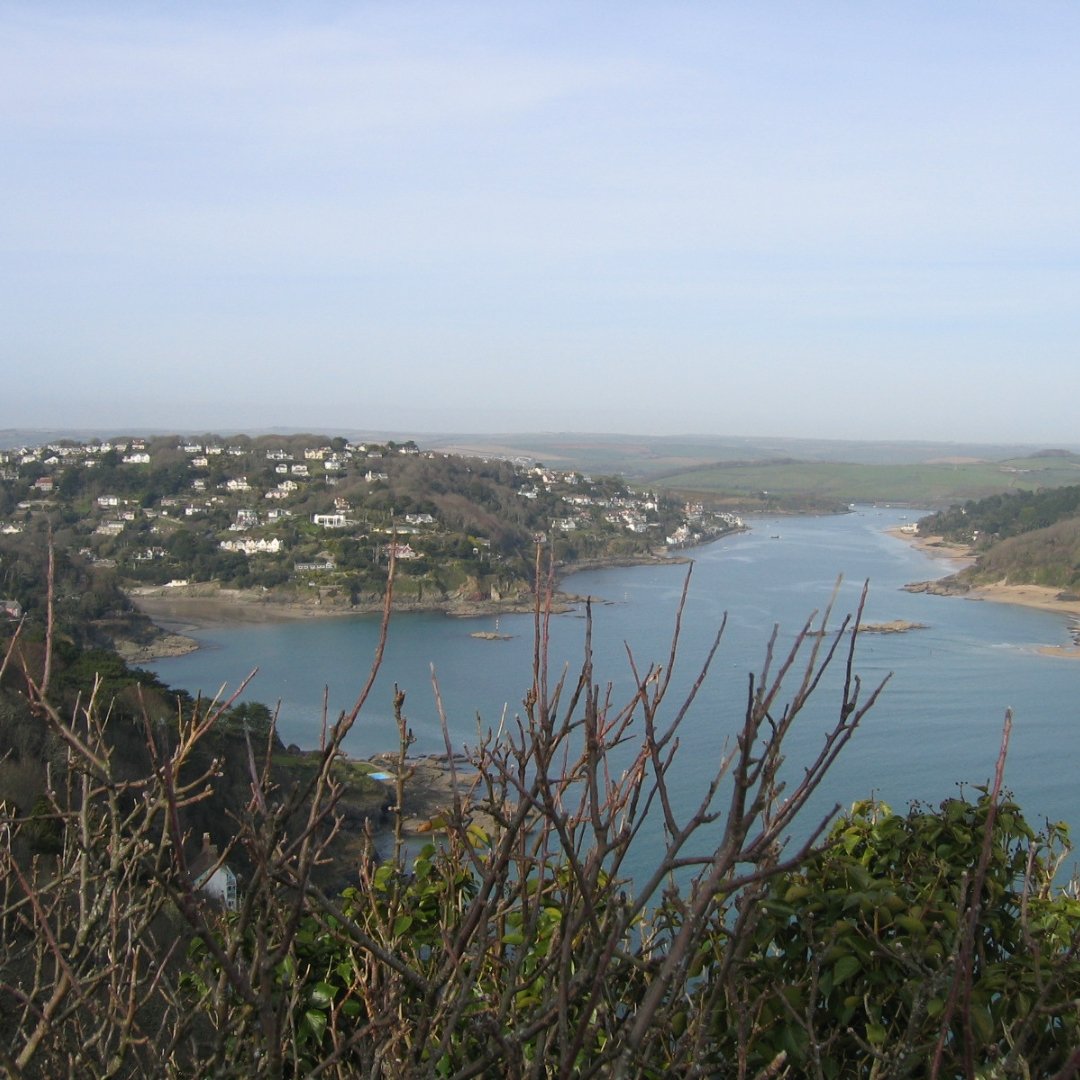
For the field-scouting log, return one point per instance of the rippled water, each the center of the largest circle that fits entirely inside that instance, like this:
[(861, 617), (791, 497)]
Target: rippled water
[(938, 722)]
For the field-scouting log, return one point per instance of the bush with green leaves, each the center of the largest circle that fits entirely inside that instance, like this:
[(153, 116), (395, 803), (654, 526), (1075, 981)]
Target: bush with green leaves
[(932, 935)]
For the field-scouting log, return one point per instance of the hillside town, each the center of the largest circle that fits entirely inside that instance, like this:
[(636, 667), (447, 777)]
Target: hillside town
[(325, 517)]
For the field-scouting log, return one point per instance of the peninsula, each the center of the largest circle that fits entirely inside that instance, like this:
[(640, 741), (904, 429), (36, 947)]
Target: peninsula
[(219, 529), (1021, 548)]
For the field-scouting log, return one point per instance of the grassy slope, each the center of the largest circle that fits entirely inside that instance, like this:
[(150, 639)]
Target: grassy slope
[(924, 484), (1049, 557)]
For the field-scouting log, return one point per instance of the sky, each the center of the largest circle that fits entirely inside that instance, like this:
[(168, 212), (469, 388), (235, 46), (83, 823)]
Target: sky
[(829, 220)]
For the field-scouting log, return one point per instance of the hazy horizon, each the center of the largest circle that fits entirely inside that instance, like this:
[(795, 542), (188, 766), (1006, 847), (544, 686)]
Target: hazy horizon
[(831, 221)]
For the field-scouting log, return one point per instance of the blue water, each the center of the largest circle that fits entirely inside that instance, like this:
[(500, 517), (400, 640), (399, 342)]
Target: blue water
[(938, 723)]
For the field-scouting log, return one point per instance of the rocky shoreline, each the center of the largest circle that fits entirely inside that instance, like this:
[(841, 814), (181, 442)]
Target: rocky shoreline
[(181, 610)]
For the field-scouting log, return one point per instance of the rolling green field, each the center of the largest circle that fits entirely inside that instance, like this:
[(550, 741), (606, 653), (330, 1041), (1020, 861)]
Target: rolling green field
[(931, 485)]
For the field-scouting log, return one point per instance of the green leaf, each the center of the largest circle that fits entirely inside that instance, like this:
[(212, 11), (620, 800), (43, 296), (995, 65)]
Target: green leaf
[(910, 924), (982, 1022), (852, 837), (875, 1034), (402, 924), (322, 995), (844, 968), (478, 837), (315, 1022)]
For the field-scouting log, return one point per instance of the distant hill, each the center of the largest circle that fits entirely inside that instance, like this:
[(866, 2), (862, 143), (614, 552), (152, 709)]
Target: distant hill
[(649, 456), (626, 453), (926, 484)]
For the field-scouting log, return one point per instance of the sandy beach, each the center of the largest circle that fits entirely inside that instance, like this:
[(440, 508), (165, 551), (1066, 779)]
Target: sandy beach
[(1037, 596), (936, 546), (1042, 597), (181, 611)]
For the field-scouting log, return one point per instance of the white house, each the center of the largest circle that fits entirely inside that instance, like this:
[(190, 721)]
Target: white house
[(252, 547), (214, 878)]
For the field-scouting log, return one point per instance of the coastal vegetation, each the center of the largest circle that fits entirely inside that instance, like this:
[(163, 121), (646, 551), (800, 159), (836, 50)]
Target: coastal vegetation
[(929, 942), (1028, 538)]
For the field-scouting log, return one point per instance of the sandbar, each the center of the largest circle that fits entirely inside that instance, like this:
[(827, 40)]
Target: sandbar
[(197, 606)]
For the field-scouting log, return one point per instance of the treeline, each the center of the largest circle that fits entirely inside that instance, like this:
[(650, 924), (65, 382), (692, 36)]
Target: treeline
[(986, 521), (1049, 557)]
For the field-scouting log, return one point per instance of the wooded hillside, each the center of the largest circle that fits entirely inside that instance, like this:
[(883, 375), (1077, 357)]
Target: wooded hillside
[(1023, 538)]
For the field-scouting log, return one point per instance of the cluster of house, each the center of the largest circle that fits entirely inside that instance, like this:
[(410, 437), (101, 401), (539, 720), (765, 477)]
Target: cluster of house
[(54, 455), (698, 524), (216, 489), (630, 512), (250, 546), (200, 456)]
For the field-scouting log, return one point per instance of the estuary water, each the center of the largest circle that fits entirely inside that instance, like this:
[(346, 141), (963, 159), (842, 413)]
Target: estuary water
[(937, 725)]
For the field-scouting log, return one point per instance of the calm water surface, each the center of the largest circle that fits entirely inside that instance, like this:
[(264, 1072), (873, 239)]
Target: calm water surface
[(938, 723)]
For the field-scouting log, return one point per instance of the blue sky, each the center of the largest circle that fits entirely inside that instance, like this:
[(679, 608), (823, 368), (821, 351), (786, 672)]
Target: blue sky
[(844, 220)]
